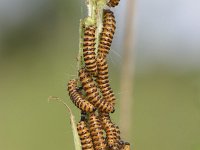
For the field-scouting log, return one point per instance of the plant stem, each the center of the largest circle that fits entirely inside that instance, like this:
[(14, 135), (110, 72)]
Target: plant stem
[(127, 73), (95, 12)]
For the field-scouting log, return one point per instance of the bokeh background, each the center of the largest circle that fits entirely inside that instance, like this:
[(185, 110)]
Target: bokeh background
[(38, 49)]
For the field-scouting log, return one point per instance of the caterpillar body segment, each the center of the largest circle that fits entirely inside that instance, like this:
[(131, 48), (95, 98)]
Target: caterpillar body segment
[(96, 132), (92, 93), (111, 136), (108, 30), (77, 97), (103, 80), (112, 131), (84, 135), (89, 49), (113, 3)]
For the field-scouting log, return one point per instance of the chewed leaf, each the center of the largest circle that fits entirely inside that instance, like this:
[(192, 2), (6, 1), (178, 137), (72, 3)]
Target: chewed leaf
[(77, 142)]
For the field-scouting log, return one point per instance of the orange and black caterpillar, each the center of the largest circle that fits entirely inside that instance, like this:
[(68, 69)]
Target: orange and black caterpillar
[(84, 135), (113, 3), (107, 33), (112, 131), (89, 49), (77, 97), (92, 93), (103, 81), (96, 132)]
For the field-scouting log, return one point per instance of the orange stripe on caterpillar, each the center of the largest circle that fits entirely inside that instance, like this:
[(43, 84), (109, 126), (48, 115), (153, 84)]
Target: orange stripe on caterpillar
[(84, 135), (112, 131), (77, 97), (103, 81), (89, 49), (108, 30), (96, 132), (92, 93)]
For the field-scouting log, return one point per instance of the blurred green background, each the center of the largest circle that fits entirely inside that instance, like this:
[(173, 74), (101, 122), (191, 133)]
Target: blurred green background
[(38, 49)]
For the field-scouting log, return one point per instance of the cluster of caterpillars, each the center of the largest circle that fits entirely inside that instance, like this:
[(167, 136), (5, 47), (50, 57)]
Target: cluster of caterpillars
[(92, 92)]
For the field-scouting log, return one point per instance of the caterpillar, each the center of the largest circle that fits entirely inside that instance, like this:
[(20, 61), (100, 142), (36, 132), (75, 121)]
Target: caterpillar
[(84, 135), (103, 81), (96, 132), (78, 99), (107, 33), (112, 131), (92, 93), (89, 49)]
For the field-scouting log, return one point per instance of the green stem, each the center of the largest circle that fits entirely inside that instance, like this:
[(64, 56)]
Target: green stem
[(99, 22), (80, 53), (95, 12)]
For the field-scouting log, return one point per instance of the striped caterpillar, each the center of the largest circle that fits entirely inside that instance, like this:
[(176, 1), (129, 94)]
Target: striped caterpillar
[(92, 93), (96, 132), (103, 81), (84, 135), (77, 98), (89, 49), (112, 131), (107, 33)]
